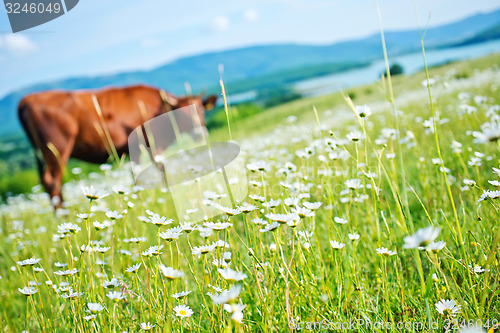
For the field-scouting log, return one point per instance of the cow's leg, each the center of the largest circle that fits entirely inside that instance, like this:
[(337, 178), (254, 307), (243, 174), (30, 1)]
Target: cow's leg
[(49, 176), (56, 158)]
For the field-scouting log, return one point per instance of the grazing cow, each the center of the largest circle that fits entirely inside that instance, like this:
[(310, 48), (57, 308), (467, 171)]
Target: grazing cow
[(64, 124)]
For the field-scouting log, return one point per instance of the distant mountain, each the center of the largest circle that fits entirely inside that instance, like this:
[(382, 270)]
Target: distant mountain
[(248, 68), (487, 35)]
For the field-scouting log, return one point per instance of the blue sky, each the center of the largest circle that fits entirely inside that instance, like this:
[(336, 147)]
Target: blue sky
[(107, 36)]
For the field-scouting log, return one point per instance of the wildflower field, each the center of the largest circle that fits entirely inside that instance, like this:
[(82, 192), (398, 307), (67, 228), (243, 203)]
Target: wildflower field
[(381, 209)]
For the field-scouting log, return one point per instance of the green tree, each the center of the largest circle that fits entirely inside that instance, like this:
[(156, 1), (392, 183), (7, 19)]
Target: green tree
[(395, 69)]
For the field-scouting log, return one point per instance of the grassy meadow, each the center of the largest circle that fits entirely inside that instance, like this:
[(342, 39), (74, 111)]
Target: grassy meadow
[(375, 213)]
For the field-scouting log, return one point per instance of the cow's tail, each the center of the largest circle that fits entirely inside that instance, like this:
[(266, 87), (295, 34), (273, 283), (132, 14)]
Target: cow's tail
[(25, 115)]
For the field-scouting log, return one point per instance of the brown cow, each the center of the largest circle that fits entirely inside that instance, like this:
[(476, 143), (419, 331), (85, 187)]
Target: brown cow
[(64, 124)]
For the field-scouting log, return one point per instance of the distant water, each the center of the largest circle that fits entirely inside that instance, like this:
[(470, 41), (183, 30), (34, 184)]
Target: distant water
[(412, 62)]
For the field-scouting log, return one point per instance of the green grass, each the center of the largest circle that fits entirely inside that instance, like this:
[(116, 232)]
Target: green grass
[(305, 280)]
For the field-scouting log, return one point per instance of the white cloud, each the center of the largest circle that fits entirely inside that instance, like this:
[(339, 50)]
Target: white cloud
[(251, 15), (151, 42), (17, 44), (220, 23)]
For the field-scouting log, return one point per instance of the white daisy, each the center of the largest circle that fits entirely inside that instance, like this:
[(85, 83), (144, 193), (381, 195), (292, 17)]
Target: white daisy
[(231, 275), (90, 317), (354, 136), (29, 262), (230, 211), (226, 296), (281, 218), (154, 250), (133, 268), (257, 197), (270, 227), (236, 311), (95, 307), (247, 208), (147, 326), (122, 190), (447, 307), (188, 227), (67, 272), (113, 283), (28, 291), (340, 220), (272, 203), (203, 249), (303, 212), (99, 225), (336, 245), (114, 215), (353, 184), (115, 296), (85, 216), (171, 234), (217, 225), (312, 205), (159, 220), (71, 295), (136, 240), (363, 111), (93, 194), (291, 202), (101, 249), (181, 294), (183, 311), (435, 247), (469, 182), (170, 273), (385, 252), (353, 237), (67, 228), (478, 269), (259, 166), (422, 237), (259, 221)]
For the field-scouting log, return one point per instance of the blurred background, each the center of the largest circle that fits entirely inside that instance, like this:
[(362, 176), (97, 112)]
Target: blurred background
[(268, 52)]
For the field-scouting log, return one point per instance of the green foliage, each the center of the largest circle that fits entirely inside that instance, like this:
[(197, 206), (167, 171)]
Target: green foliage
[(395, 69), (217, 117), (18, 182), (278, 96), (462, 75)]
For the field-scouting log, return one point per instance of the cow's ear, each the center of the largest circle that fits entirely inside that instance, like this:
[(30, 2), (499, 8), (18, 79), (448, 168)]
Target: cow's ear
[(209, 102)]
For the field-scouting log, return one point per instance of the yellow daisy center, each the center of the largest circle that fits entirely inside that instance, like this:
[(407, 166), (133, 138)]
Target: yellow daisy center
[(182, 312)]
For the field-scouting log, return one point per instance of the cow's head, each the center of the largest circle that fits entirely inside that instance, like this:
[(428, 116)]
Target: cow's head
[(202, 104)]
